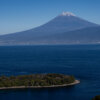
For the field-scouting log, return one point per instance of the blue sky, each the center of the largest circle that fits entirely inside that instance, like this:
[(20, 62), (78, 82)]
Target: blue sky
[(19, 15)]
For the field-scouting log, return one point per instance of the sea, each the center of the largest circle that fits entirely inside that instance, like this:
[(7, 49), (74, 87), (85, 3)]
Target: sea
[(81, 61)]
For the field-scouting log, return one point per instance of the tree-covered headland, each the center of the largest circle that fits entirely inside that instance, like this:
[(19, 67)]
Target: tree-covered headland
[(36, 80)]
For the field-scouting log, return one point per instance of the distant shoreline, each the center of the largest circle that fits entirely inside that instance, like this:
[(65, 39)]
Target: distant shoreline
[(29, 87)]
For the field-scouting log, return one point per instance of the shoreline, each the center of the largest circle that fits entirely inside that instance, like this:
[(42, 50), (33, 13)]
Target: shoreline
[(35, 87)]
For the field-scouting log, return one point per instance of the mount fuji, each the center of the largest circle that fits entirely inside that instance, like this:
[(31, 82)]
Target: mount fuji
[(66, 28)]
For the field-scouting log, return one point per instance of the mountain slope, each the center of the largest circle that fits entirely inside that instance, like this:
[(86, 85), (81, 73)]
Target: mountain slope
[(83, 36), (63, 23), (89, 35)]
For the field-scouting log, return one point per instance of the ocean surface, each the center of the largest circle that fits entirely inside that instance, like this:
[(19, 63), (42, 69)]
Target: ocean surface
[(82, 61)]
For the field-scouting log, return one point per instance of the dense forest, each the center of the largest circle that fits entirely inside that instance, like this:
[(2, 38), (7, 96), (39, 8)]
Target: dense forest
[(36, 80)]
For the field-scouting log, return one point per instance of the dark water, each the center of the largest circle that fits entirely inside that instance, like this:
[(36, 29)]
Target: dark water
[(81, 61)]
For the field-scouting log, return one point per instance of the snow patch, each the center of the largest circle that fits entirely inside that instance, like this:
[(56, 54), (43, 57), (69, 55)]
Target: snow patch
[(67, 14)]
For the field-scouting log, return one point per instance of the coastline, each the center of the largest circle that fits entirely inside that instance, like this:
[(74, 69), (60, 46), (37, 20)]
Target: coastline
[(29, 87)]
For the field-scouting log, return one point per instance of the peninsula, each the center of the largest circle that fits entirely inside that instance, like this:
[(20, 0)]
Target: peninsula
[(37, 81)]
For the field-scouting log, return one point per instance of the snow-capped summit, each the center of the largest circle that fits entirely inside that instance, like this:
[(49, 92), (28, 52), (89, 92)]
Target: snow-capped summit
[(67, 14), (59, 30)]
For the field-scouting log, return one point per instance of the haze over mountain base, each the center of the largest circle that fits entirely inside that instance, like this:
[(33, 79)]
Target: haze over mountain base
[(63, 29)]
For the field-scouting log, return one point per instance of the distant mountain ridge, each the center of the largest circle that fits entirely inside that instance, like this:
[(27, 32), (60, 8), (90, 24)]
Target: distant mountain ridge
[(63, 29)]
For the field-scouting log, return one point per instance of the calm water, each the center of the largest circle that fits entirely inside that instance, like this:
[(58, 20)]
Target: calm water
[(81, 61)]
